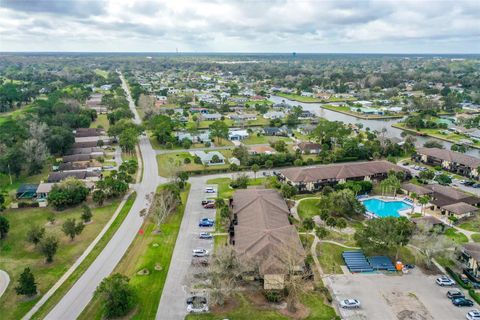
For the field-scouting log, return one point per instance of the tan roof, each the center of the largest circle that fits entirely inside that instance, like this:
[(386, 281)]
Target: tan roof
[(410, 187), (306, 145), (460, 208), (44, 187), (263, 231), (340, 171), (451, 156)]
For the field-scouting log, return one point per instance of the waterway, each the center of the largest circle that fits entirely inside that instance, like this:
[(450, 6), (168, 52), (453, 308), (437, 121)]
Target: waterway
[(373, 124)]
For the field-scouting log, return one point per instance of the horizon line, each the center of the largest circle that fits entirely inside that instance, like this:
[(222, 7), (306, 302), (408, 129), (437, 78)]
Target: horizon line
[(253, 52)]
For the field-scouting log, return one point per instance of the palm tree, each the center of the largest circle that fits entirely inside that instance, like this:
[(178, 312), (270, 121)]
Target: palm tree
[(423, 201)]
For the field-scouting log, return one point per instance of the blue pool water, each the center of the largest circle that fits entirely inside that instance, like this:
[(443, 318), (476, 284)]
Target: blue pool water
[(385, 208)]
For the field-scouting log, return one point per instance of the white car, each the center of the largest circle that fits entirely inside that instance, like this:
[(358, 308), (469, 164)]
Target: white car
[(209, 190), (191, 308), (445, 281), (350, 304), (200, 252), (473, 314)]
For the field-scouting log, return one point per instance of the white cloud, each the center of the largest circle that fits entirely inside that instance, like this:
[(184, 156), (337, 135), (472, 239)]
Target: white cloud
[(250, 26)]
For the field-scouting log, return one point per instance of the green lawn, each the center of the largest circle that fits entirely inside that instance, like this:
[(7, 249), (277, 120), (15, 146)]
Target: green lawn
[(456, 236), (17, 254), (476, 237), (147, 251), (101, 121), (101, 73), (255, 139), (330, 257), (247, 311), (297, 97), (225, 191), (88, 260), (472, 224), (166, 161), (220, 241), (308, 208)]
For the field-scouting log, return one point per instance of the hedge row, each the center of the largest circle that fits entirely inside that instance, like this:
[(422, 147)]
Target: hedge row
[(457, 279)]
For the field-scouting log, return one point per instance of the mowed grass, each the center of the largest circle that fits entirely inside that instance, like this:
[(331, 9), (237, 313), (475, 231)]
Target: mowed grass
[(167, 161), (330, 257), (297, 97), (16, 253), (472, 224), (255, 139), (308, 208), (247, 311), (225, 191), (146, 251), (476, 237), (43, 311), (101, 121), (456, 236)]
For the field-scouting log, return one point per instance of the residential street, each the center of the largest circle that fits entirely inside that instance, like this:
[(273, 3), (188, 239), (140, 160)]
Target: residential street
[(4, 281), (73, 303)]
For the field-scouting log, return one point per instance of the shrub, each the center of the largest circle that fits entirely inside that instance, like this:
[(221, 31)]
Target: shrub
[(208, 144), (24, 204), (241, 182), (457, 278), (69, 192), (187, 160), (273, 295), (475, 296)]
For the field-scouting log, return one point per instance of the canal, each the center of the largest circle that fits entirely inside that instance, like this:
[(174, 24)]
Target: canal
[(377, 125)]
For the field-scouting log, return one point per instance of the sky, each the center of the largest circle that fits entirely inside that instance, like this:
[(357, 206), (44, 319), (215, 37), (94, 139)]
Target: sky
[(310, 26)]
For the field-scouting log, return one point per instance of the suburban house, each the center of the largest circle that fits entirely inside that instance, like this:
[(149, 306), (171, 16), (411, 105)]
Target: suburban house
[(274, 115), (77, 157), (410, 188), (452, 161), (244, 117), (261, 233), (261, 150), (26, 191), (237, 135), (88, 132), (470, 258), (81, 166), (94, 151), (306, 115), (452, 202), (95, 103), (198, 110), (315, 178), (211, 116), (282, 131), (201, 137), (43, 190), (307, 147), (306, 129), (209, 159)]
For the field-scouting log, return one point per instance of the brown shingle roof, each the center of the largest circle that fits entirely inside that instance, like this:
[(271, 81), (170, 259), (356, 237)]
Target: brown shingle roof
[(450, 156), (419, 190), (263, 231), (340, 171), (460, 208), (473, 249)]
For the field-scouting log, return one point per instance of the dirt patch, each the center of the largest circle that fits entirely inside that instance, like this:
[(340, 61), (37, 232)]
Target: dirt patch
[(301, 313), (407, 306), (228, 306)]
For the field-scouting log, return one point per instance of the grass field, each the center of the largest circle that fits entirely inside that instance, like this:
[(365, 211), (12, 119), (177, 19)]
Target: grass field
[(330, 257), (147, 251), (247, 311), (225, 191), (101, 121), (456, 236), (16, 253), (308, 208), (476, 237), (255, 139), (166, 161), (472, 224), (298, 98), (88, 260), (101, 73)]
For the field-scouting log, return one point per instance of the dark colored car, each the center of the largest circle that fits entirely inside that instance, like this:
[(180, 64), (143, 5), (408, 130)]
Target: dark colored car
[(455, 294), (196, 299), (476, 185), (209, 205), (462, 302)]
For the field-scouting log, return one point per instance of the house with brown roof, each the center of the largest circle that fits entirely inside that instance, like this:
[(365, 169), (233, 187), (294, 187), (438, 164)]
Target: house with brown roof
[(453, 202), (470, 257), (261, 150), (452, 161), (261, 233), (410, 188), (307, 147), (314, 178)]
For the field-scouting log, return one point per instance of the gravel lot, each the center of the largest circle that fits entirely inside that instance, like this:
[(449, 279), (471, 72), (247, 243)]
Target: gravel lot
[(414, 296)]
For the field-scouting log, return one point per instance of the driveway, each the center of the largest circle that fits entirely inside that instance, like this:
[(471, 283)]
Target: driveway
[(407, 297), (75, 300)]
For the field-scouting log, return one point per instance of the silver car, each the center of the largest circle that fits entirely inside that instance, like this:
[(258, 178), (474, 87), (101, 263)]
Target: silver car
[(350, 304)]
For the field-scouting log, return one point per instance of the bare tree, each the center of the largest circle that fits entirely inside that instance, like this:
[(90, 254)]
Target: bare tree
[(164, 203), (431, 242)]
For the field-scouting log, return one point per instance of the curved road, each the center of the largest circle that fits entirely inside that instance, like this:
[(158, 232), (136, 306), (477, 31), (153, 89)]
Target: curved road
[(4, 281), (77, 298)]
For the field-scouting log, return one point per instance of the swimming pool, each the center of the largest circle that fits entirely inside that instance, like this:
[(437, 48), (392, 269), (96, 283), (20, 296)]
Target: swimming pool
[(384, 209)]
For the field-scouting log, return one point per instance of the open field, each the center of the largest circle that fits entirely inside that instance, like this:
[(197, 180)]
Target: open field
[(150, 251), (101, 121), (16, 253), (255, 139), (88, 260), (167, 161)]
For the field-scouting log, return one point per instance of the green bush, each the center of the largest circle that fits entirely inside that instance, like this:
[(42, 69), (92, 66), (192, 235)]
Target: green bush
[(457, 278), (475, 296), (273, 295)]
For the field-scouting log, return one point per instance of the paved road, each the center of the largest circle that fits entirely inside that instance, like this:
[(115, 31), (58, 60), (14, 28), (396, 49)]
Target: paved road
[(4, 281), (76, 299)]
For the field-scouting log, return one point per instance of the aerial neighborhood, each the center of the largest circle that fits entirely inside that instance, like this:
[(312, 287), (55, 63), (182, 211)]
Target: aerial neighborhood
[(205, 186)]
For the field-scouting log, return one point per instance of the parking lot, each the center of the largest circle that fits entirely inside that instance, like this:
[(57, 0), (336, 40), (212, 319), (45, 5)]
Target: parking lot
[(414, 296)]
